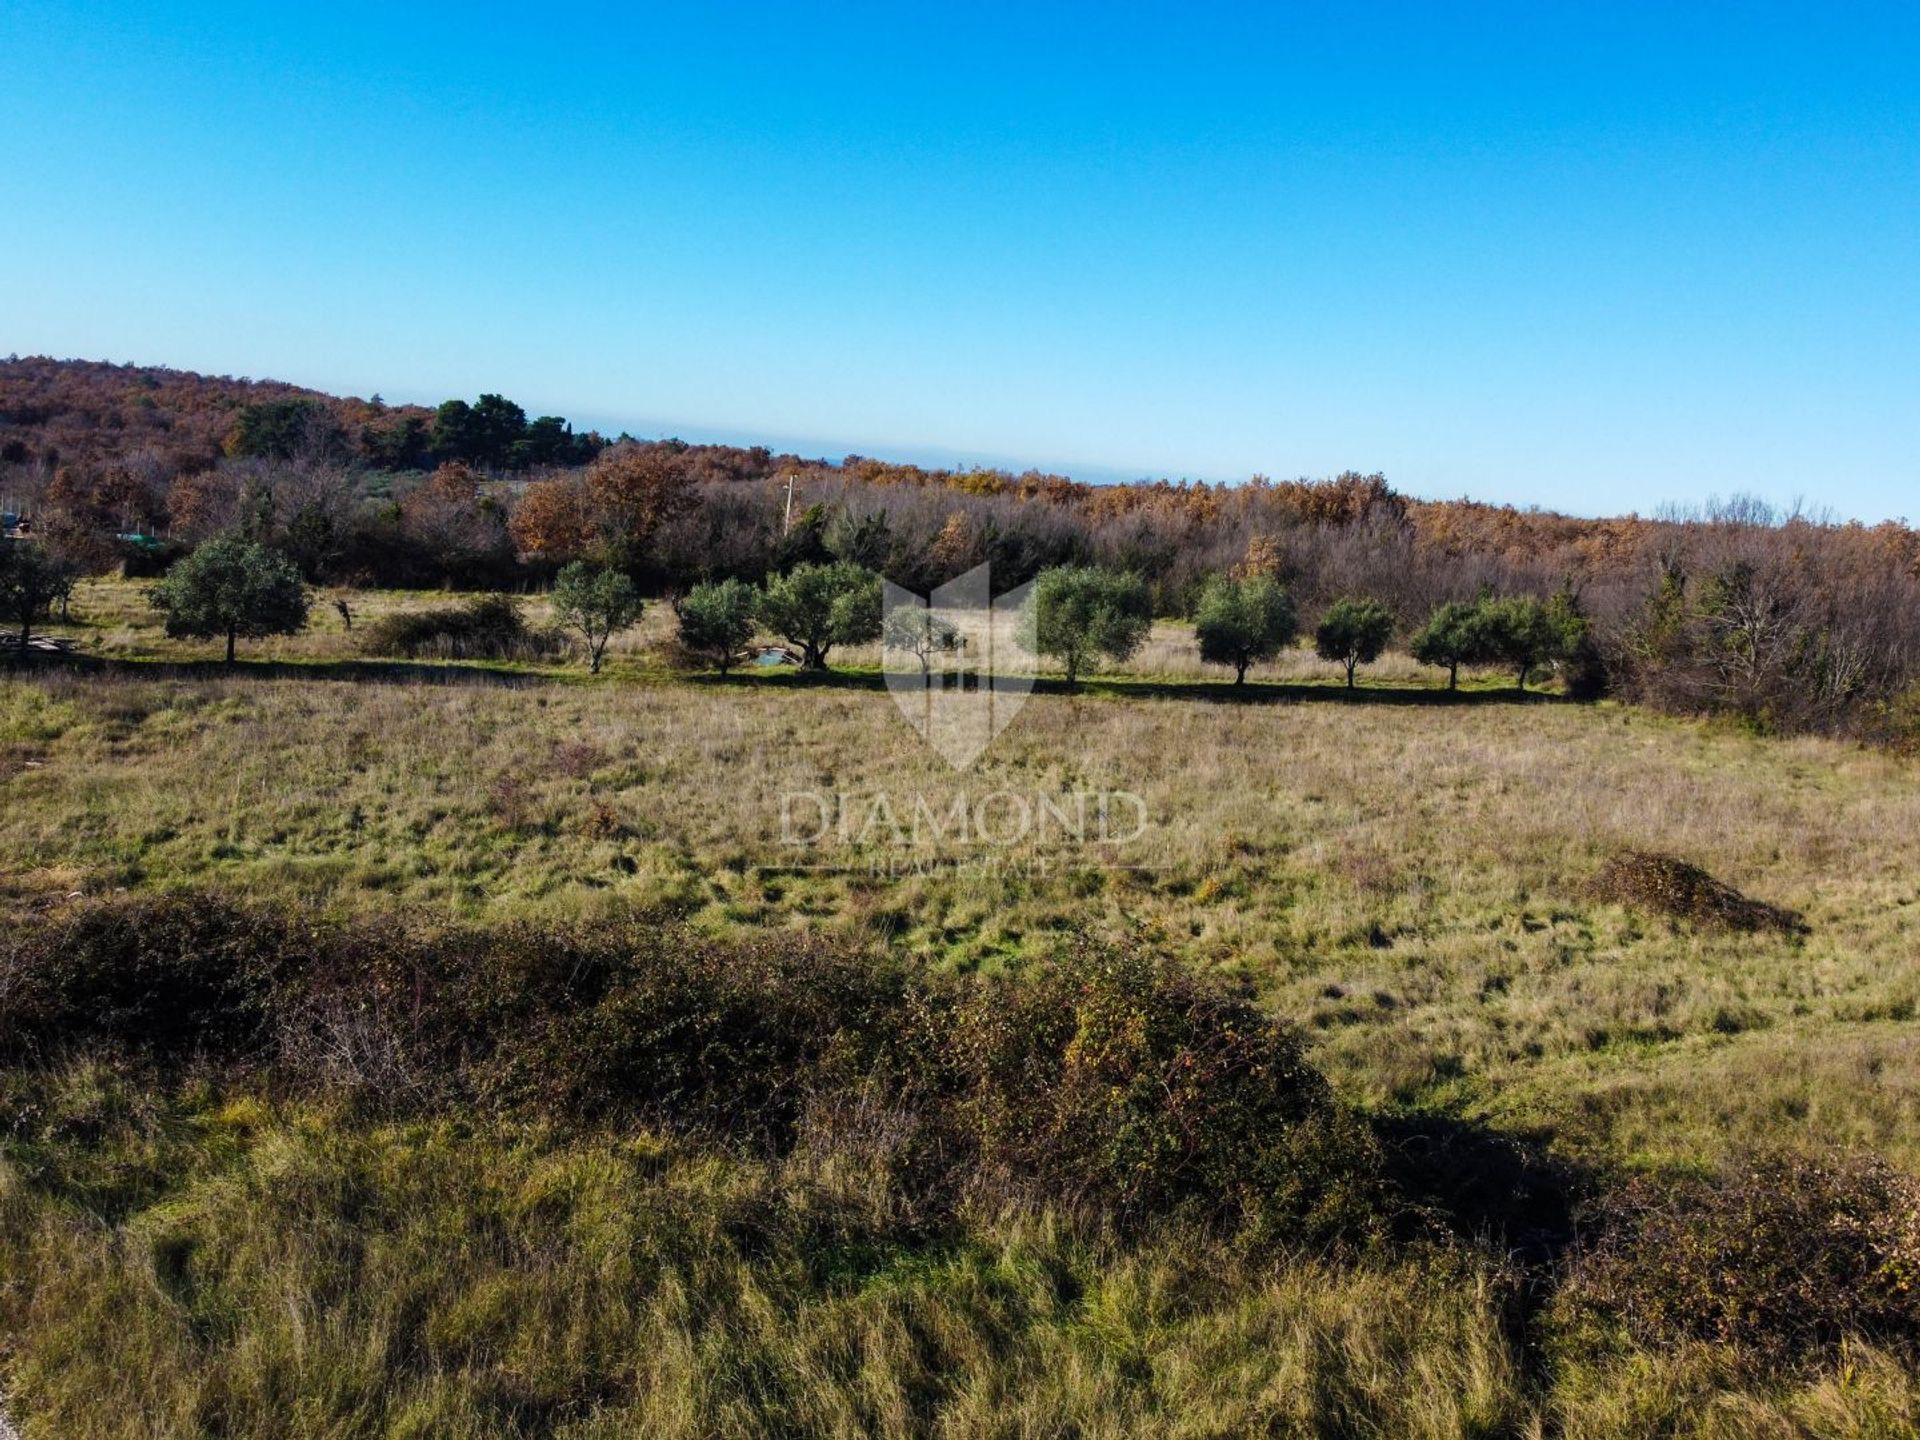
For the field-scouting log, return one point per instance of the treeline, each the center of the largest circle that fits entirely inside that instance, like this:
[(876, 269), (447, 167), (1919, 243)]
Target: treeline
[(1785, 622), (158, 424)]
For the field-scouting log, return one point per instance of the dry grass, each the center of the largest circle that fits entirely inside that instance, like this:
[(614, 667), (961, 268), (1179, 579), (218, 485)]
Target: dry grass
[(1410, 877)]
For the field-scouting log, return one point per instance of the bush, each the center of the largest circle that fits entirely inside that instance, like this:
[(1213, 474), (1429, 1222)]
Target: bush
[(492, 627), (1124, 1082), (1783, 1255), (1112, 1083), (168, 977)]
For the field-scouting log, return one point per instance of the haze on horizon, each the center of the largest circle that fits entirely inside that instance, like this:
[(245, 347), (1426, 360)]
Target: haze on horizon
[(1596, 262)]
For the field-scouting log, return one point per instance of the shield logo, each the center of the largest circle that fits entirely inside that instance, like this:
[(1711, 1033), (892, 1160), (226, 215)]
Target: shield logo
[(954, 662)]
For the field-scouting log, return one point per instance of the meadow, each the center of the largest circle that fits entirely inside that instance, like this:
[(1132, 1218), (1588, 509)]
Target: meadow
[(1403, 875)]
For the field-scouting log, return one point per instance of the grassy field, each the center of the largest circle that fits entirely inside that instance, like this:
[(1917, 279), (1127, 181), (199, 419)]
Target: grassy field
[(1404, 873)]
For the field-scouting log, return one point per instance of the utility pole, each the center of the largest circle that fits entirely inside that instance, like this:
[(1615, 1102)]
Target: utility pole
[(788, 525)]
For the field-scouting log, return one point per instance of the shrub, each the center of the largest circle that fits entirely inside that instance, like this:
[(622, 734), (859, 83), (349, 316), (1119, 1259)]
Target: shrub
[(1670, 886), (1125, 1082), (167, 977), (491, 627), (1112, 1083), (1785, 1255)]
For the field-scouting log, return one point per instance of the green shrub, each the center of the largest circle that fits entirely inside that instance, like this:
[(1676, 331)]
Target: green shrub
[(168, 977), (1124, 1081), (492, 627), (1784, 1255)]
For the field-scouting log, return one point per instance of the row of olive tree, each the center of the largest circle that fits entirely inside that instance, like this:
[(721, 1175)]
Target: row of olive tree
[(1083, 616), (1079, 616)]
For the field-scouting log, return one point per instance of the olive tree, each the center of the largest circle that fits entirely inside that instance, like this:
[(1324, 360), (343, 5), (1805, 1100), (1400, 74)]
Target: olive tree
[(597, 602), (922, 632), (1241, 622), (1080, 615), (816, 607), (31, 579), (1453, 636), (1521, 633), (717, 622), (232, 587), (1353, 633)]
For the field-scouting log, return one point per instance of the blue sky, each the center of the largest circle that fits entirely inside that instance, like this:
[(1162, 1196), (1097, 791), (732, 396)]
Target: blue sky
[(1593, 257)]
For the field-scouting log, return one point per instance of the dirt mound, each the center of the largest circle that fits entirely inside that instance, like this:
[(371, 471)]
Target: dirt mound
[(1669, 886)]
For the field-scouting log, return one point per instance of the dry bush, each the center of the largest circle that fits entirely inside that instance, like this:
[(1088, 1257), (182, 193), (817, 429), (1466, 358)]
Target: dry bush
[(1669, 886), (1113, 1082), (488, 627), (576, 759), (602, 820), (1784, 1255)]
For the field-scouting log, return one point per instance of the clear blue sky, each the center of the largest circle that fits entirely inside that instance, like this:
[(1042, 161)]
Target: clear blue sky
[(1594, 257)]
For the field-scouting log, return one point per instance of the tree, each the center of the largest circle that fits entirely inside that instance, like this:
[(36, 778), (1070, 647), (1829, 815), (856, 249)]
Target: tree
[(611, 514), (598, 603), (31, 579), (815, 607), (1451, 637), (866, 541), (1239, 622), (498, 426), (553, 519), (456, 433), (1079, 615), (632, 491), (1520, 632), (235, 588), (281, 429), (717, 622), (550, 440), (923, 633), (1582, 667), (1353, 632), (403, 445)]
